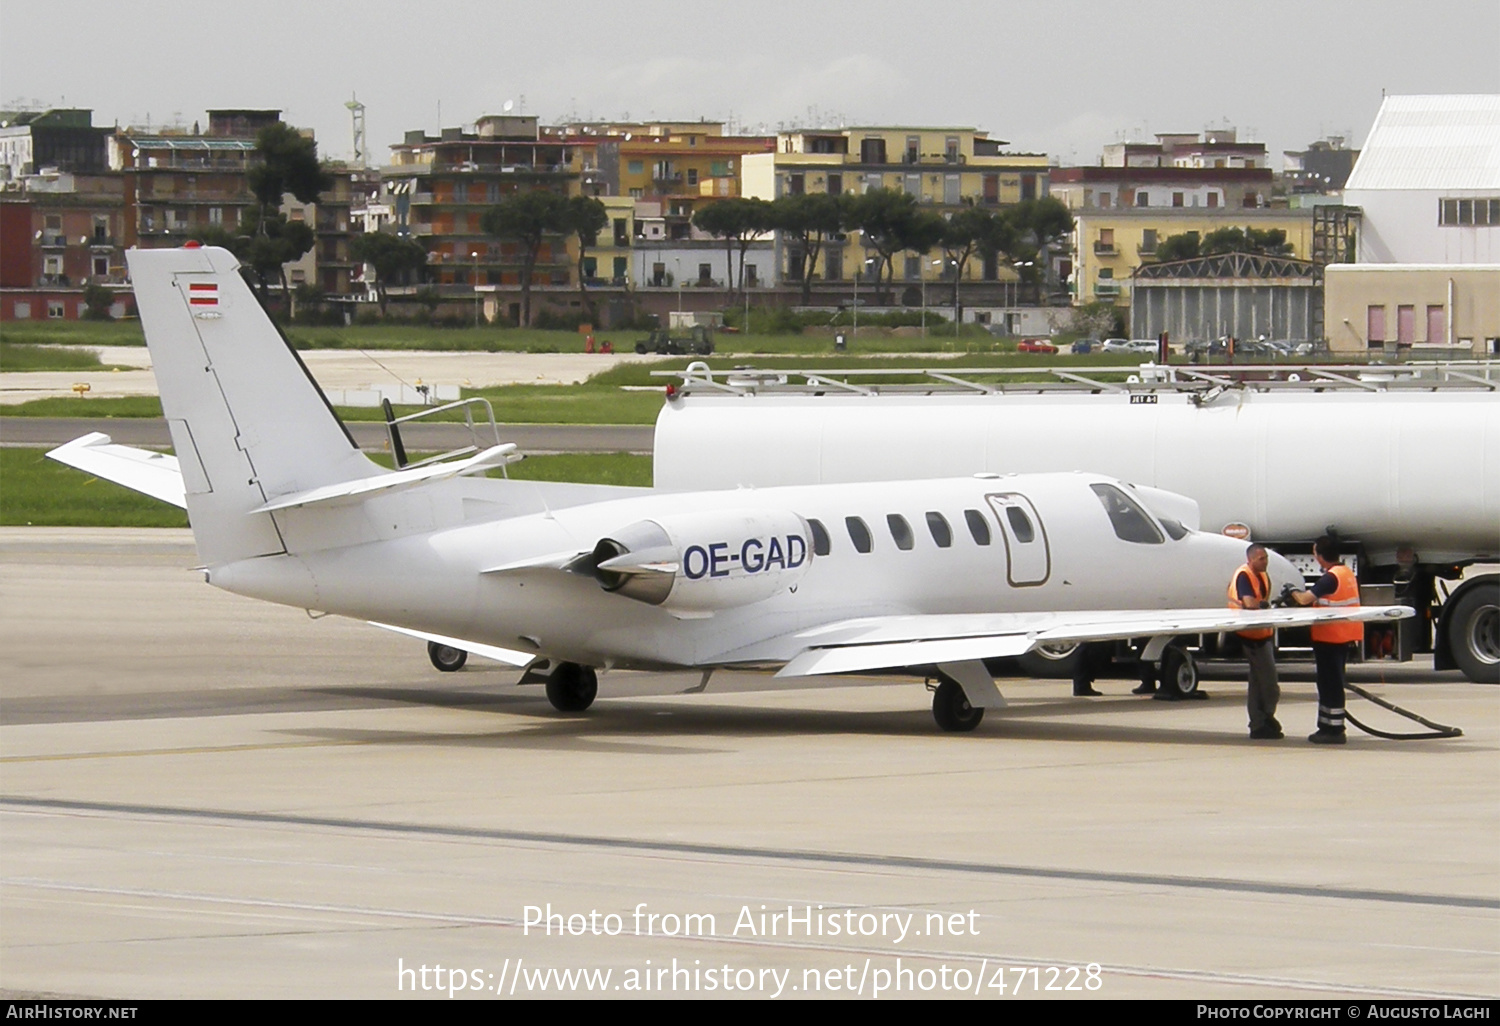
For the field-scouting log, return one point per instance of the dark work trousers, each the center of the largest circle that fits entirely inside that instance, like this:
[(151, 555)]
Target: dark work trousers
[(1330, 660), (1264, 691)]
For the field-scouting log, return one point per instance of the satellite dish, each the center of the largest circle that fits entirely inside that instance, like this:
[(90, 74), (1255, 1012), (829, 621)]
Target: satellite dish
[(509, 106)]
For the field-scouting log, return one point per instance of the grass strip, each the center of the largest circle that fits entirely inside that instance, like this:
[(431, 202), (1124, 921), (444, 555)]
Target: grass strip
[(38, 492)]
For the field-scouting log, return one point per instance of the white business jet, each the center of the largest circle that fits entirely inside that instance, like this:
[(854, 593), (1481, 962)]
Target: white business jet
[(933, 576)]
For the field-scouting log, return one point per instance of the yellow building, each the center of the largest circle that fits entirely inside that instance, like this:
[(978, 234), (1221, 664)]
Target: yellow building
[(1422, 306), (608, 262), (684, 164), (1110, 243), (942, 168)]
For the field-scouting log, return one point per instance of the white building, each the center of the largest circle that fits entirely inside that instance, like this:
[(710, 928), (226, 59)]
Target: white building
[(1428, 181)]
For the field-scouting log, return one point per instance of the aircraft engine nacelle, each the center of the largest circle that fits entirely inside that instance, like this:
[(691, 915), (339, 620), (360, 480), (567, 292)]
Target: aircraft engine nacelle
[(702, 562)]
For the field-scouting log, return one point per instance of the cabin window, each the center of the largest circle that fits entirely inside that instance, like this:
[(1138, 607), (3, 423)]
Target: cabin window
[(942, 534), (1175, 529), (900, 531), (1020, 524), (859, 534), (1130, 521), (821, 542), (978, 526)]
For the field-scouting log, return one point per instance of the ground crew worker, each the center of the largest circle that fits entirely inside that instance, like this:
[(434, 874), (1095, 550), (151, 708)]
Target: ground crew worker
[(1250, 588), (1331, 641)]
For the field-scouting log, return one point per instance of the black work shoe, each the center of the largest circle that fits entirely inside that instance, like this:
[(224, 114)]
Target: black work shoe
[(1087, 691), (1270, 732), (1327, 737), (1145, 687)]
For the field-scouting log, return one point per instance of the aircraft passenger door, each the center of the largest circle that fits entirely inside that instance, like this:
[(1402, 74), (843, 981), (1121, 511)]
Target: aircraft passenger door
[(1029, 560)]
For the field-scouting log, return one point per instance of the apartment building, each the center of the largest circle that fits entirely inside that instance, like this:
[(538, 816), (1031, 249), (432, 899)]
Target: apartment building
[(63, 212), (439, 188), (1110, 243), (942, 168), (178, 181)]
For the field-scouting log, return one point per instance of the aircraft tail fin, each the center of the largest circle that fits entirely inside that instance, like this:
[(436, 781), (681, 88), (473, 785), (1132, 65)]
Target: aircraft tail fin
[(248, 422)]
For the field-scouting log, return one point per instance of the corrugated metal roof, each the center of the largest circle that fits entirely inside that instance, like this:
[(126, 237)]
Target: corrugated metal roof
[(1431, 142)]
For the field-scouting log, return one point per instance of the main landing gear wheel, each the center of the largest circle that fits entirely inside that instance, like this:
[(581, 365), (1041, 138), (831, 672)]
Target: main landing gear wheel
[(1474, 634), (951, 708), (572, 688), (446, 657), (1179, 673)]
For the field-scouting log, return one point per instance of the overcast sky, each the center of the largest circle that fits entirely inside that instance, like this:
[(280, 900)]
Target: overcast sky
[(1062, 77)]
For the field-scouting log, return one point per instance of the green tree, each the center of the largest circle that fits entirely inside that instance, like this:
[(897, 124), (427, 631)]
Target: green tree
[(98, 300), (262, 245), (1229, 239), (808, 221), (1039, 225), (527, 218), (739, 222), (1178, 247), (393, 257), (974, 230), (585, 217), (288, 164), (269, 244), (887, 221)]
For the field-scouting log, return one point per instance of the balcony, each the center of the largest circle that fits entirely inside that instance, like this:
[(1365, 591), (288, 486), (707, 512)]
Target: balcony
[(1105, 249), (1106, 288), (53, 240), (421, 197)]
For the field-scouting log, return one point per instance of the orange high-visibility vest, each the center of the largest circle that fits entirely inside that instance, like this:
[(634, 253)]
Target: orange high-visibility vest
[(1347, 594), (1260, 584)]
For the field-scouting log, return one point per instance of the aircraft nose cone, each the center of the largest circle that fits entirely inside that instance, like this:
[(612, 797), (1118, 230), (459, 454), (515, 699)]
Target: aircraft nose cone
[(1282, 572)]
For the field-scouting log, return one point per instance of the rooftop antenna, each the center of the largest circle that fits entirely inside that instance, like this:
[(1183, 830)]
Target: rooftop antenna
[(357, 113)]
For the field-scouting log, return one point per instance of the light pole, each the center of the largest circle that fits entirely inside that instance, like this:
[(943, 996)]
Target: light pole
[(858, 270), (935, 263), (954, 264), (677, 263), (475, 257)]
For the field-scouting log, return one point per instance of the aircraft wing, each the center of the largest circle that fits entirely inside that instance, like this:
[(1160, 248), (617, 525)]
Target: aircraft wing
[(886, 642), (509, 657), (156, 474)]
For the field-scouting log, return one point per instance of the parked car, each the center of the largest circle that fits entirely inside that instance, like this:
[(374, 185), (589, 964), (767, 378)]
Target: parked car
[(1142, 345), (1085, 346), (1116, 345), (1035, 345)]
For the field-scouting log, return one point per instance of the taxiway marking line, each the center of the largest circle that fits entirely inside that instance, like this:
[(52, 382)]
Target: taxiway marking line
[(851, 859)]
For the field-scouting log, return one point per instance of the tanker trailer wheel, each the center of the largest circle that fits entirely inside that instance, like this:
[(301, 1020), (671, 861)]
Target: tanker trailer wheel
[(1050, 661), (572, 688), (446, 657), (1179, 672), (1474, 634), (951, 708)]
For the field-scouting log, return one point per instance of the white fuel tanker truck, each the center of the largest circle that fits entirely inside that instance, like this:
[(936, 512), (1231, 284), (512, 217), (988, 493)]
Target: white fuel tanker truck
[(1402, 463)]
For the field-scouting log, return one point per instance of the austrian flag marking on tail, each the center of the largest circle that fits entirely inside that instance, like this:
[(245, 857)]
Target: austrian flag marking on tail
[(203, 294)]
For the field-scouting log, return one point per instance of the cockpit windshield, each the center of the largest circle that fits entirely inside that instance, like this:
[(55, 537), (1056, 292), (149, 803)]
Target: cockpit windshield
[(1131, 523)]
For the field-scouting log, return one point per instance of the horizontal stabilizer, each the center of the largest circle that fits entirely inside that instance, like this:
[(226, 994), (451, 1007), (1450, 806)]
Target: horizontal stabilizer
[(153, 473), (509, 657), (363, 488), (889, 642)]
